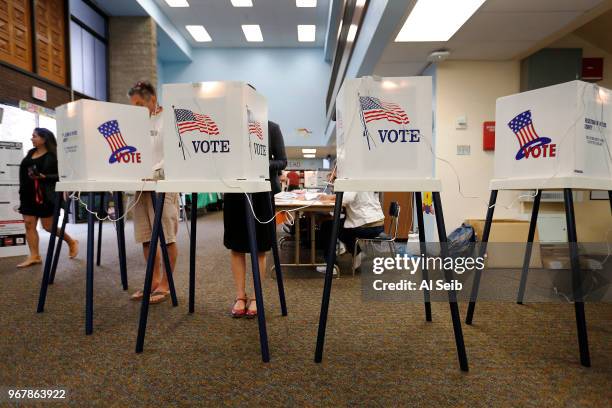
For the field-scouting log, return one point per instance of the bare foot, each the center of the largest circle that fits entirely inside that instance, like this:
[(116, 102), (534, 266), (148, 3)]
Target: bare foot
[(73, 249), (30, 261)]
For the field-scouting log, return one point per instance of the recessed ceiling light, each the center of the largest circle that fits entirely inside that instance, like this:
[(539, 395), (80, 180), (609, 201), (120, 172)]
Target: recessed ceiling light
[(177, 3), (352, 33), (306, 33), (306, 3), (309, 156), (252, 32), (198, 33), (242, 3), (309, 150), (436, 20)]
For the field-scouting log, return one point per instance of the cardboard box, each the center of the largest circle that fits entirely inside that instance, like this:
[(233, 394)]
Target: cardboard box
[(512, 233)]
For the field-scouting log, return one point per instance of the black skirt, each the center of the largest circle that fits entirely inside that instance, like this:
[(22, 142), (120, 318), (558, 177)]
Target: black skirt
[(235, 236)]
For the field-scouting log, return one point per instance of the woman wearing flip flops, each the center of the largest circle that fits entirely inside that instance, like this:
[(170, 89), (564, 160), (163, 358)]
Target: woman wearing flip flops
[(37, 177)]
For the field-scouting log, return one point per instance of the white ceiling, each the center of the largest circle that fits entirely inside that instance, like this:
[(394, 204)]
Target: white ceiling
[(278, 20), (499, 30)]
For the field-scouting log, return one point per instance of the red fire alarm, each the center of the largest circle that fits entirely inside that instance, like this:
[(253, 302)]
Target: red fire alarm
[(592, 69), (488, 136)]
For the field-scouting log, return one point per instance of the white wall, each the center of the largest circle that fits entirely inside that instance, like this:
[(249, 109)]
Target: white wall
[(470, 88), (295, 82)]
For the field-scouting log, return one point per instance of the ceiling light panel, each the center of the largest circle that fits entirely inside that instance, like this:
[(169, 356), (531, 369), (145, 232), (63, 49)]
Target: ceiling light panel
[(306, 3), (242, 3), (199, 33), (177, 3), (306, 33), (252, 32), (437, 20)]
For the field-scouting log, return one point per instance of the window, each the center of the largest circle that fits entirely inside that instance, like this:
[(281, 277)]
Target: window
[(88, 44)]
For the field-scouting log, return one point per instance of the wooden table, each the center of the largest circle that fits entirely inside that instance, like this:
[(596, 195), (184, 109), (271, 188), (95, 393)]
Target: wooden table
[(312, 207)]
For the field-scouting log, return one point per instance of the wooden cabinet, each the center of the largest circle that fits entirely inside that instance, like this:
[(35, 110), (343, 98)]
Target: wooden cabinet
[(15, 32), (51, 40), (405, 220)]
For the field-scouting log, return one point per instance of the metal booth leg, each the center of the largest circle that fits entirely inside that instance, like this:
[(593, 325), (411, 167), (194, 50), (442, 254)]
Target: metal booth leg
[(277, 264), (423, 245), (120, 228), (530, 236), (49, 259), (452, 296), (165, 257), (328, 278), (101, 214), (146, 291), (261, 317), (90, 267), (583, 342), (482, 252), (60, 241), (192, 250)]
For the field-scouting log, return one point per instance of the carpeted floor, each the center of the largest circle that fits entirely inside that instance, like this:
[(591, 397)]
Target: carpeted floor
[(377, 353)]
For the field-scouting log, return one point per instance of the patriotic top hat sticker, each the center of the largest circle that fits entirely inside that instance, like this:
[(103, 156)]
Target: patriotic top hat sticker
[(527, 137), (112, 134)]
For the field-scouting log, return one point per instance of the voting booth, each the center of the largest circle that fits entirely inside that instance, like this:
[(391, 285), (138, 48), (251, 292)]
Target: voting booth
[(216, 133), (555, 134), (384, 132), (102, 141)]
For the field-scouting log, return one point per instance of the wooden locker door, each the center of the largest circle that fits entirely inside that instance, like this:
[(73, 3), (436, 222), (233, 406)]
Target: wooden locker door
[(405, 221), (15, 29), (51, 40)]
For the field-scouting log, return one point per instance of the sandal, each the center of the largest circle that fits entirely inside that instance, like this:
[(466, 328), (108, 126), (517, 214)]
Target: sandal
[(137, 295), (237, 313), (158, 297), (251, 313)]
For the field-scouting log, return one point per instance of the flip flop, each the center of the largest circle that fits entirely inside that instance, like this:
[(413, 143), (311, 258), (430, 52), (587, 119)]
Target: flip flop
[(137, 295), (158, 297)]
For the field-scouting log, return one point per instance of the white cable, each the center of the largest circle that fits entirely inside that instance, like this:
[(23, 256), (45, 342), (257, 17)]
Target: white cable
[(76, 196)]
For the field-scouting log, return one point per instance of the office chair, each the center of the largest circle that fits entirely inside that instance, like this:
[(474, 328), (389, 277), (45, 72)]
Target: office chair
[(388, 237)]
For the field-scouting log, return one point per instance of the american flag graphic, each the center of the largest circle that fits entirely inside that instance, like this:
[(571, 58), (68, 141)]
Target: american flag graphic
[(112, 134), (188, 121), (255, 129), (522, 126), (375, 109)]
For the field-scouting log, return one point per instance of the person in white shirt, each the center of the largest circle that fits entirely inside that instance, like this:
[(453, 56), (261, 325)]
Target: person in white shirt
[(144, 94), (364, 219)]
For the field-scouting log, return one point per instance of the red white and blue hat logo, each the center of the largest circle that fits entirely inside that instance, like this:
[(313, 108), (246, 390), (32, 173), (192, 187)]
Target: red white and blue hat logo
[(112, 134), (526, 135)]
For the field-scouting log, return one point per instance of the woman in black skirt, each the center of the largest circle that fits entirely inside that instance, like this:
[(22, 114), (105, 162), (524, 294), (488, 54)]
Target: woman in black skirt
[(236, 237), (37, 177)]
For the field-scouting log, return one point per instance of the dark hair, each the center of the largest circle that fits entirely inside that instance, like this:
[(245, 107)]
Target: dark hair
[(50, 142), (143, 88)]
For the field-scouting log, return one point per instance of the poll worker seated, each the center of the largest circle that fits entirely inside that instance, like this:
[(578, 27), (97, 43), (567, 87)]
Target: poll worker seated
[(364, 218)]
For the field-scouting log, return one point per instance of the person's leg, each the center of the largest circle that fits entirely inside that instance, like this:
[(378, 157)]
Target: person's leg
[(73, 244), (162, 278), (32, 239), (146, 247), (238, 264), (170, 223), (261, 258)]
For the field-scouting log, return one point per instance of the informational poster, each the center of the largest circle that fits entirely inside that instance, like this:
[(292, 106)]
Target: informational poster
[(12, 228)]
